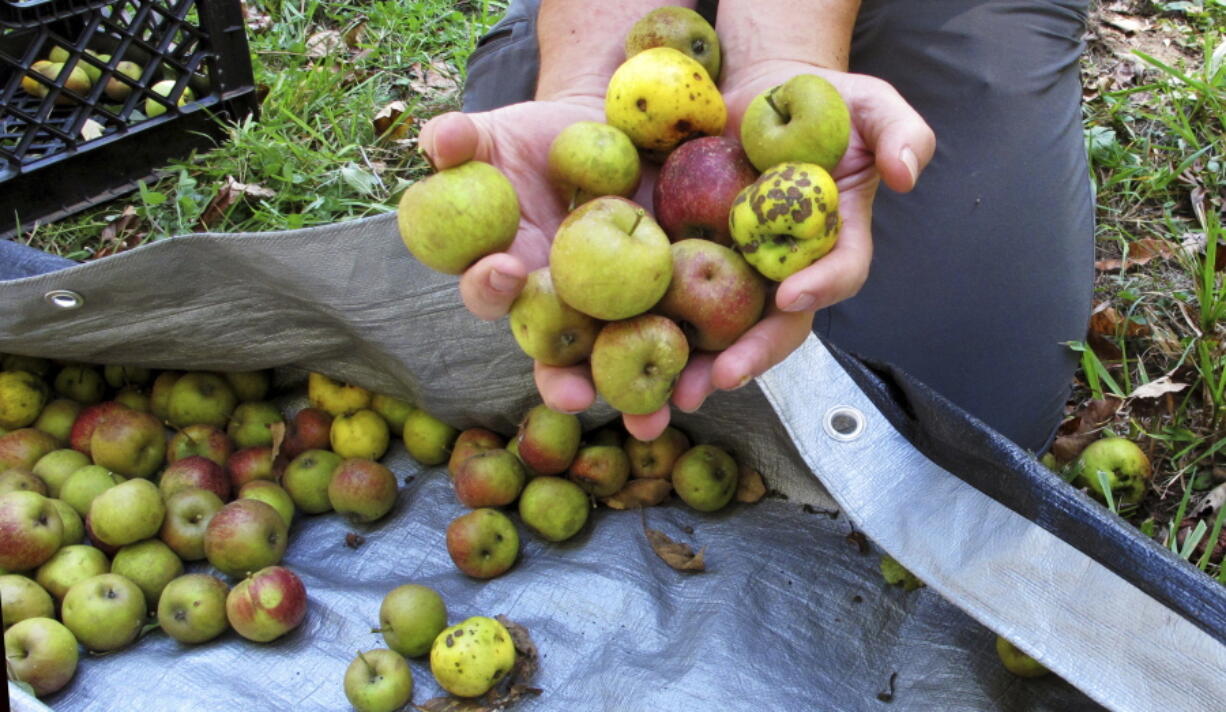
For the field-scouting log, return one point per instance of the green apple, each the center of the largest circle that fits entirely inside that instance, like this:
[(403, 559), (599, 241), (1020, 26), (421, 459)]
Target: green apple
[(393, 410), (360, 434), (118, 376), (554, 508), (188, 513), (655, 458), (204, 440), (250, 421), (74, 527), (32, 364), (362, 489), (601, 470), (192, 608), (636, 362), (69, 565), (42, 653), (446, 228), (803, 120), (895, 574), (18, 479), (22, 397), (249, 386), (127, 513), (483, 543), (661, 98), (22, 598), (1124, 465), (336, 398), (117, 89), (30, 530), (133, 397), (410, 617), (272, 494), (471, 657), (159, 394), (105, 612), (82, 383), (165, 88), (427, 438), (200, 397), (307, 477), (57, 466), (1017, 662), (492, 478), (705, 477), (787, 219), (469, 443), (84, 485), (610, 260), (57, 417), (150, 564), (682, 29), (130, 443), (24, 447), (378, 681), (588, 159), (245, 536), (547, 328), (267, 604)]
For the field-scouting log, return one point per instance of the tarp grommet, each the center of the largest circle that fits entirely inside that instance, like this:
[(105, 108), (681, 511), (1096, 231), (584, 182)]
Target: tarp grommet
[(65, 299), (843, 422)]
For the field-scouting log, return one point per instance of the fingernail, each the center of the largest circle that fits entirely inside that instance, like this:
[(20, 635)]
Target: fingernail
[(574, 412), (691, 410), (502, 282), (907, 156), (744, 379), (801, 303)]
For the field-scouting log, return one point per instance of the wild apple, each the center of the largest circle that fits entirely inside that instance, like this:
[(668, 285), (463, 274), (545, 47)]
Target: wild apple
[(84, 485), (200, 397), (362, 489), (547, 440), (696, 186), (31, 364), (200, 439), (150, 564), (22, 598), (307, 477), (410, 618), (655, 458), (267, 605), (74, 527), (159, 394), (42, 653), (166, 88), (57, 466), (130, 443), (192, 608), (133, 397), (661, 98), (249, 386), (714, 294), (335, 398), (19, 479), (609, 434), (378, 681), (589, 159), (705, 477), (57, 417), (118, 90), (601, 470), (272, 494), (682, 29), (253, 463), (636, 362), (1124, 465), (483, 543), (104, 612), (118, 376), (547, 328), (24, 447), (786, 220), (493, 478), (69, 565), (393, 410), (469, 443), (427, 438), (80, 382), (30, 530), (1017, 662), (471, 657), (128, 512), (803, 120), (22, 397), (249, 423), (309, 429), (188, 513), (610, 260), (245, 536), (360, 434), (91, 416), (555, 508), (194, 471)]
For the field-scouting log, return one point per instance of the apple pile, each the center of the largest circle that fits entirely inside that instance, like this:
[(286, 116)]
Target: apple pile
[(85, 74), (631, 294)]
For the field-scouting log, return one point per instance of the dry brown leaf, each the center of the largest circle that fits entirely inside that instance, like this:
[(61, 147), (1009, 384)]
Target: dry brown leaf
[(230, 192), (677, 555), (121, 234), (323, 43), (278, 437), (1157, 388), (1140, 252), (256, 20), (859, 540), (429, 81), (640, 492), (91, 130), (749, 485), (527, 660), (392, 122), (1125, 23), (353, 35), (1106, 321)]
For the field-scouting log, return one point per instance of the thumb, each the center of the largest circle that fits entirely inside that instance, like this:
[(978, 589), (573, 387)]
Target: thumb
[(454, 138), (895, 132)]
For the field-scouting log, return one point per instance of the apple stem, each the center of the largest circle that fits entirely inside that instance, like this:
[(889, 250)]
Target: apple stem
[(376, 630), (574, 200), (638, 218), (770, 99), (364, 660)]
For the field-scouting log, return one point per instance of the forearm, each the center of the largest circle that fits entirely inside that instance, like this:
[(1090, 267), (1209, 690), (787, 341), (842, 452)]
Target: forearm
[(583, 42), (813, 31)]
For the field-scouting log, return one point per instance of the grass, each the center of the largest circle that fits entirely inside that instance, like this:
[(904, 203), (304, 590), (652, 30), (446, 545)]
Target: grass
[(1153, 363)]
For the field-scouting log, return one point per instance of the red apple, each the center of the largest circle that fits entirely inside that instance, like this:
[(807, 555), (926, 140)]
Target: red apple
[(696, 186), (493, 478), (30, 530), (130, 443), (655, 458), (362, 489), (204, 440), (24, 447), (469, 443), (245, 536), (89, 418), (254, 463), (195, 471), (309, 429), (548, 440), (483, 543), (269, 604), (715, 295)]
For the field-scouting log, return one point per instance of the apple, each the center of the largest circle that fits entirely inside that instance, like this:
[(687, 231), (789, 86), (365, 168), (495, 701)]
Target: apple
[(410, 617), (427, 438), (714, 294), (42, 653), (661, 98), (547, 440), (165, 88), (200, 397), (188, 513), (133, 397), (130, 443), (194, 471), (93, 539), (471, 657), (705, 477), (547, 328), (610, 260), (200, 439), (589, 159), (31, 364), (307, 477), (362, 489), (127, 513), (786, 220), (249, 423), (45, 68), (118, 376), (601, 470), (24, 447), (19, 479), (803, 120), (696, 186), (360, 434), (492, 478), (22, 598), (445, 229), (469, 443), (69, 565), (309, 429), (249, 386), (159, 394), (30, 530), (655, 458), (253, 463), (57, 417), (335, 398), (1126, 468), (244, 536), (393, 410), (636, 362), (378, 681), (555, 508), (1017, 662), (151, 565), (513, 448), (91, 416), (22, 397), (268, 604), (57, 466), (81, 383), (272, 494), (192, 608), (682, 29), (84, 485), (116, 89), (74, 527), (483, 543), (105, 612)]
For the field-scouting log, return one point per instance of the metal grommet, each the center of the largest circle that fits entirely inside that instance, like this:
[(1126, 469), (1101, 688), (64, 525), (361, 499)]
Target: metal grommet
[(65, 299), (843, 422)]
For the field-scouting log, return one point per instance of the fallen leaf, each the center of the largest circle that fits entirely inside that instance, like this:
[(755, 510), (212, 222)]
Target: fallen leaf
[(1140, 253), (429, 81), (639, 493), (860, 541), (1106, 321), (91, 130), (1157, 387), (1125, 23), (353, 35), (1212, 501), (230, 192), (278, 437), (323, 43), (121, 234), (255, 20), (749, 485), (527, 660), (353, 540), (677, 555), (393, 121)]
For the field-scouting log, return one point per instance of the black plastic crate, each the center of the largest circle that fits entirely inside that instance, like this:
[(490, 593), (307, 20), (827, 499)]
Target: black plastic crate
[(79, 146)]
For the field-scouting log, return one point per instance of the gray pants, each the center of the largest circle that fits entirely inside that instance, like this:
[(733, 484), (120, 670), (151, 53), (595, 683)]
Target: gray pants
[(982, 273)]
